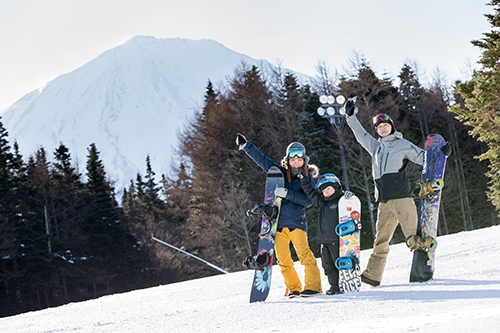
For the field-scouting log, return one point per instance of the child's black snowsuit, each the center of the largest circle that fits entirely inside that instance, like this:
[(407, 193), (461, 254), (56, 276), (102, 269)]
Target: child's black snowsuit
[(328, 220)]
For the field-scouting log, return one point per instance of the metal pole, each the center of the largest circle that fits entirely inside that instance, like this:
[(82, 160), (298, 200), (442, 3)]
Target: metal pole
[(332, 109), (342, 162), (189, 254)]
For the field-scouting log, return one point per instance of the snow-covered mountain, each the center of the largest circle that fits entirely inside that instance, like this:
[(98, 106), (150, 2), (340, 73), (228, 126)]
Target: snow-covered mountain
[(131, 101), (464, 296)]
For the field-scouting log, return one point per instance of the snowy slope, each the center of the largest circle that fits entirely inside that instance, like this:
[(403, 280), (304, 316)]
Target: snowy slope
[(463, 297), (130, 101)]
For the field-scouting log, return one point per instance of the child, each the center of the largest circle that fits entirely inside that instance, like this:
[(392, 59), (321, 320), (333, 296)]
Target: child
[(326, 194)]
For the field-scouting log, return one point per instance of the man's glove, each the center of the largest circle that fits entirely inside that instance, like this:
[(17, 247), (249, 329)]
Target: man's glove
[(280, 192), (348, 194), (241, 141), (446, 149), (350, 106)]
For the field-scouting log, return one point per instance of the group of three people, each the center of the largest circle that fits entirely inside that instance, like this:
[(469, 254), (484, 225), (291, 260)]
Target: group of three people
[(304, 187)]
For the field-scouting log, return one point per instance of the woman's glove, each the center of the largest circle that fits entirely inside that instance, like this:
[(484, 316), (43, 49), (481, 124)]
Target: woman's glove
[(280, 192), (241, 141)]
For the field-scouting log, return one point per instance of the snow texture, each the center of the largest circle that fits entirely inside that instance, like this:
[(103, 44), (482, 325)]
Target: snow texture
[(464, 296), (131, 101)]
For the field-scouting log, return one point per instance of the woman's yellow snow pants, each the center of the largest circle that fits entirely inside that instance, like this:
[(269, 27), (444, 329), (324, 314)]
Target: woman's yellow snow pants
[(312, 278)]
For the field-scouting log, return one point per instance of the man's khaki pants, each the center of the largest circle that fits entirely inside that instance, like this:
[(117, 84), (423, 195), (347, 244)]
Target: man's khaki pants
[(402, 211)]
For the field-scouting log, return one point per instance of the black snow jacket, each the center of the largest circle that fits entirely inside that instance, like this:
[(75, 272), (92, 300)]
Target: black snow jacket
[(328, 211)]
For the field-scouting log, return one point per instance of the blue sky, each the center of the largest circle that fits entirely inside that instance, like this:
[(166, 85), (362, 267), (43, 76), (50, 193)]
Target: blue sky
[(41, 40)]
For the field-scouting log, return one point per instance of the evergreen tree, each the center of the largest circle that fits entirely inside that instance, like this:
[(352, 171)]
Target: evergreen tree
[(112, 261), (152, 190), (34, 194), (480, 107), (66, 218), (10, 273)]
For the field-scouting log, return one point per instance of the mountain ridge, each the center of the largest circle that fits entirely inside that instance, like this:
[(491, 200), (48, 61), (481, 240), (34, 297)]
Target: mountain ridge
[(131, 101)]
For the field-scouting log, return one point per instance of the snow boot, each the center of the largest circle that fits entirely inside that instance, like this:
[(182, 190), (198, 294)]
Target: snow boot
[(369, 281), (309, 292)]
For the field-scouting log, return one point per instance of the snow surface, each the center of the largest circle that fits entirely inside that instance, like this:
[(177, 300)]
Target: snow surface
[(464, 296)]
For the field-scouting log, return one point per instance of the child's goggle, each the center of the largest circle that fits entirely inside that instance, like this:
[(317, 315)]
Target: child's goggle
[(380, 118), (296, 153)]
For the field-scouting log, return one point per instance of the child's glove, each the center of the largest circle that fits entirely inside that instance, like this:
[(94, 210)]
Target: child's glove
[(348, 194)]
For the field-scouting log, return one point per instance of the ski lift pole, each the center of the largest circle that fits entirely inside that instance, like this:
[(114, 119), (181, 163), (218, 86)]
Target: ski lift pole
[(189, 254)]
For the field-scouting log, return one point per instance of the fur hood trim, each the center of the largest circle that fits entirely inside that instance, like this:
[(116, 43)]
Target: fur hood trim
[(313, 170)]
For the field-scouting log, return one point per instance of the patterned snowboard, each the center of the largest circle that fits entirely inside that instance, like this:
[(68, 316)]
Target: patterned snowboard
[(422, 268), (349, 251), (262, 279)]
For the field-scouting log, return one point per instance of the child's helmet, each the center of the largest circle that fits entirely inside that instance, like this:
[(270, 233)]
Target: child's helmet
[(328, 179)]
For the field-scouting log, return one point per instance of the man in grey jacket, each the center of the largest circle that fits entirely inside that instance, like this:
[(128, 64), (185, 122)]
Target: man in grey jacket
[(390, 155)]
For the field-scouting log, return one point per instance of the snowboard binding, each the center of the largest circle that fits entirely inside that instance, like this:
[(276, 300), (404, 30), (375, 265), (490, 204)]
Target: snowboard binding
[(427, 244), (264, 210), (343, 263), (258, 262), (348, 227), (427, 189)]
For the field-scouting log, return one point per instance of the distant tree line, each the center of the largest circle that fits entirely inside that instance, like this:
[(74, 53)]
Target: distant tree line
[(64, 236)]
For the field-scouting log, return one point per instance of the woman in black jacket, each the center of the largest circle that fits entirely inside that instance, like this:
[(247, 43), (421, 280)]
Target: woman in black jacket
[(292, 222)]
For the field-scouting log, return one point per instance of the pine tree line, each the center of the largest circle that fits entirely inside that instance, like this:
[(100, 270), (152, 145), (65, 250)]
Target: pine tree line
[(63, 239)]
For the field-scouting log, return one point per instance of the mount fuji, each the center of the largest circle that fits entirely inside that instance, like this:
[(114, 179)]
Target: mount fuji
[(131, 101)]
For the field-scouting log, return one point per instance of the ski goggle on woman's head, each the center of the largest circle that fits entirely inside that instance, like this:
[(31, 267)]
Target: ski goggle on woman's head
[(381, 118), (296, 153)]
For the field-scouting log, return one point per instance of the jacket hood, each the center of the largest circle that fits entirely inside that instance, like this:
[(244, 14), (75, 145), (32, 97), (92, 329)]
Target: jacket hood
[(394, 136)]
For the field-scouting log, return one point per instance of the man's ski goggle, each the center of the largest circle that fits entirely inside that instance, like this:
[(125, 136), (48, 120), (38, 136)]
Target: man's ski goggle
[(296, 153), (381, 118)]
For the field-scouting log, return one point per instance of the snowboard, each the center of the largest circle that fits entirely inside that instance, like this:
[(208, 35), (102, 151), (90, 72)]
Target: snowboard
[(422, 268), (262, 278), (348, 229)]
